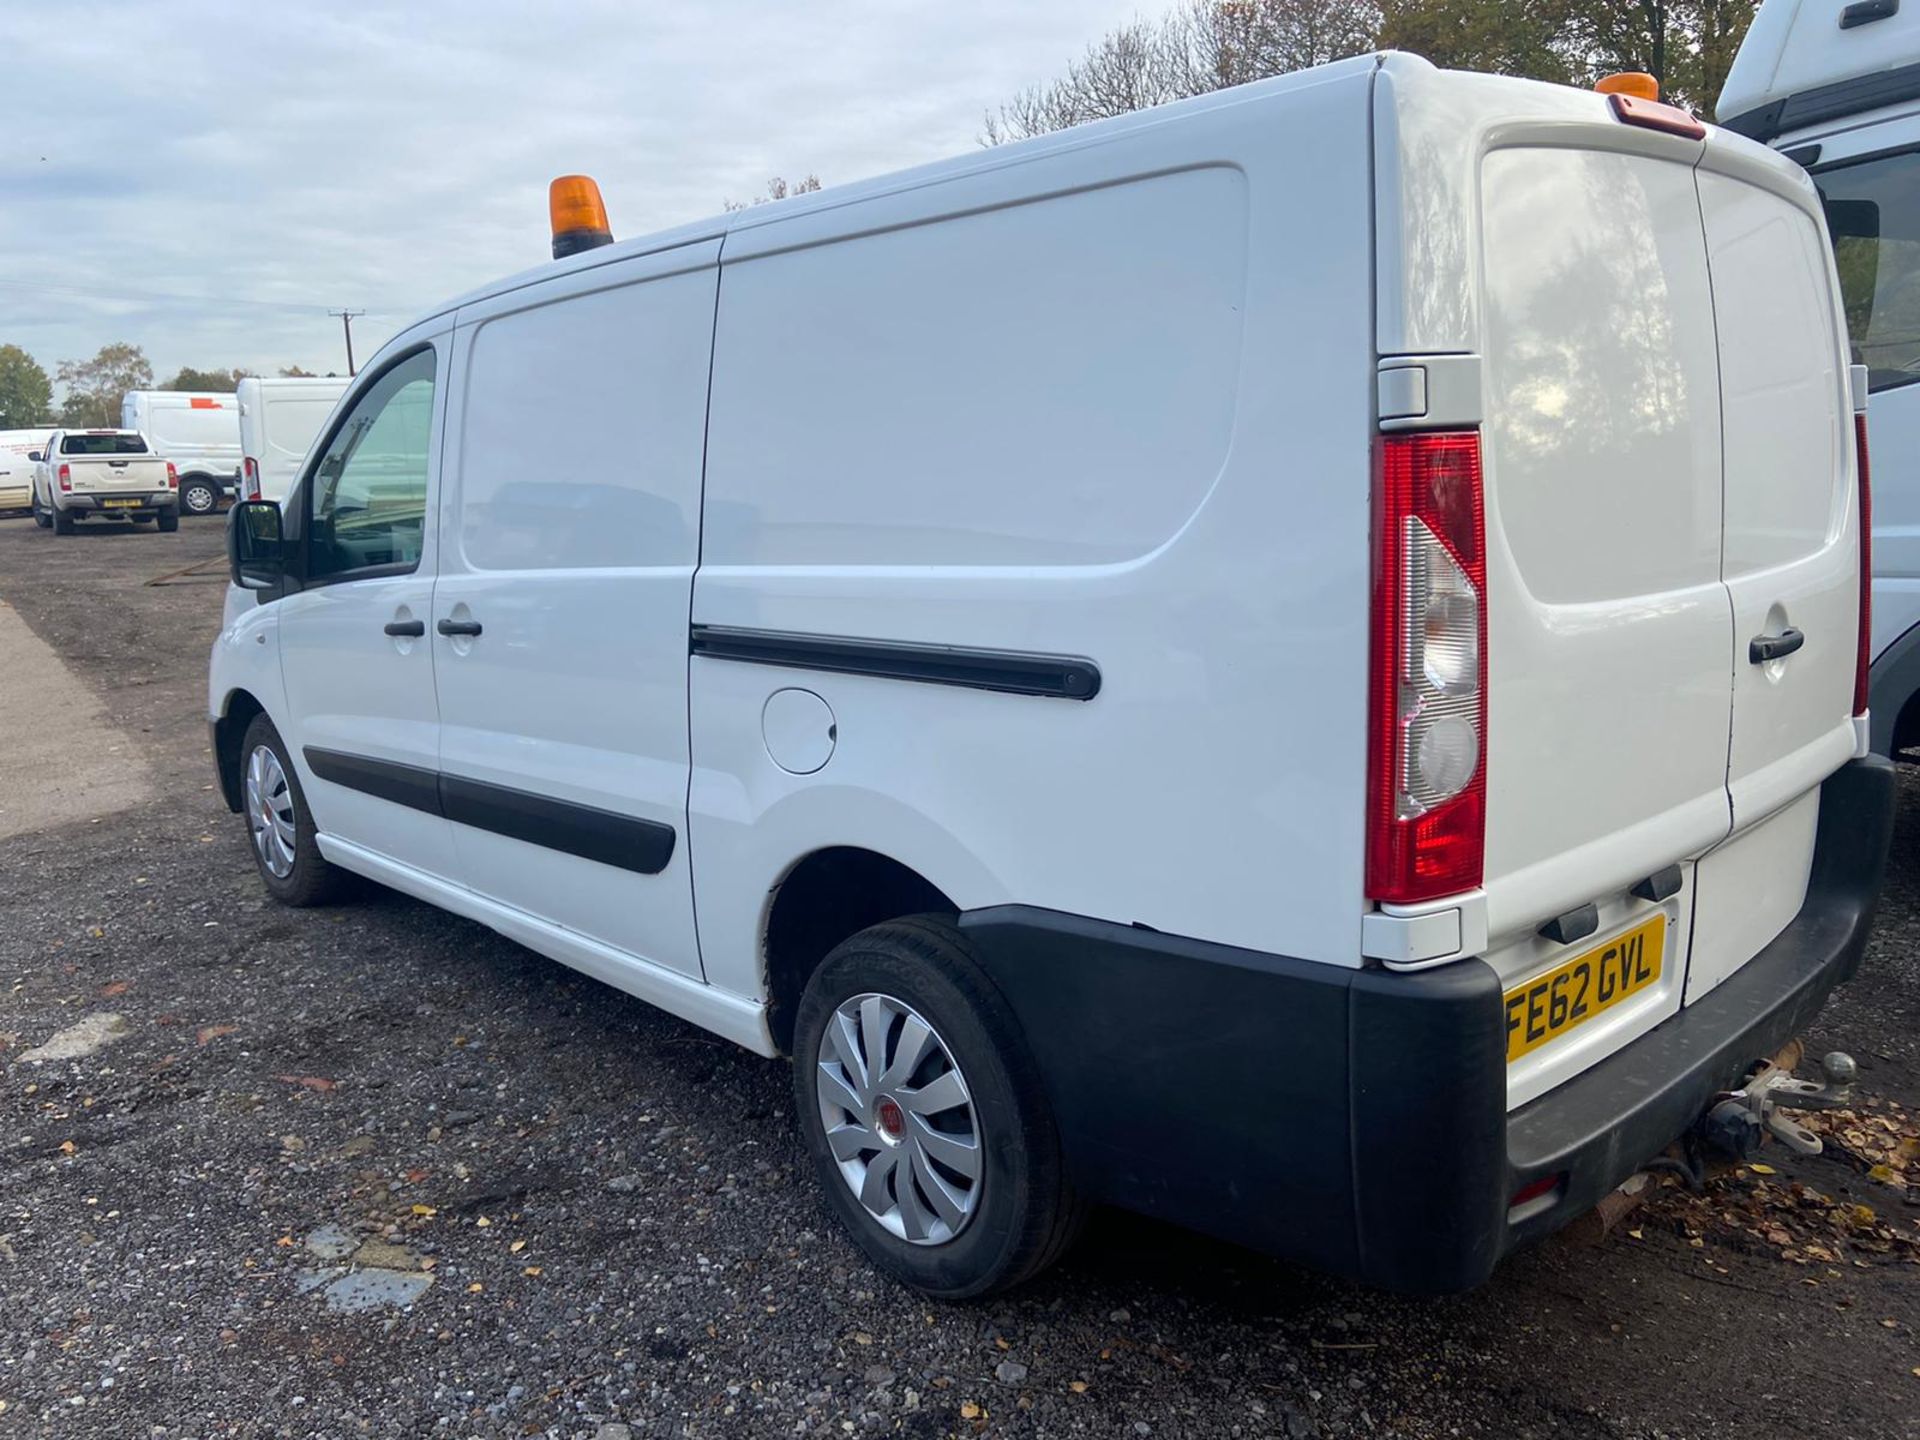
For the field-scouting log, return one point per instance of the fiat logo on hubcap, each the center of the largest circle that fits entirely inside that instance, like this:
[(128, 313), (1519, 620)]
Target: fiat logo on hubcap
[(890, 1118)]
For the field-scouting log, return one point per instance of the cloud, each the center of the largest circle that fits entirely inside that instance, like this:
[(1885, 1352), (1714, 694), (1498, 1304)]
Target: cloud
[(207, 180)]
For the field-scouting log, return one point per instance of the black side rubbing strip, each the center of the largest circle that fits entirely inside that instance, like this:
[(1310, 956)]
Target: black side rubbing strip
[(643, 846), (409, 785), (1012, 672)]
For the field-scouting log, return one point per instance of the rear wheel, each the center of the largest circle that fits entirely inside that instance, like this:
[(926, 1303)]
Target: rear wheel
[(925, 1116), (279, 823), (169, 519), (62, 522), (199, 495)]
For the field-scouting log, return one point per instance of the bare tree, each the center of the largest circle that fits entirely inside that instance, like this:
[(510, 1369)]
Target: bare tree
[(1206, 45), (777, 189)]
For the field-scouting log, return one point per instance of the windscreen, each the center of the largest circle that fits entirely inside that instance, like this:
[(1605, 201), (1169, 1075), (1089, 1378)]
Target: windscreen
[(103, 445), (1873, 211)]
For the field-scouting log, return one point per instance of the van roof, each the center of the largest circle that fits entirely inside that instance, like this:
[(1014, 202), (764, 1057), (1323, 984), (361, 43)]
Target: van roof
[(1805, 61), (1099, 132)]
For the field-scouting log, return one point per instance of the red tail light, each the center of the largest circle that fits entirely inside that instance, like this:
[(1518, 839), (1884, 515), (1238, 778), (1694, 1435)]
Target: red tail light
[(250, 482), (1426, 822), (1864, 659), (173, 477), (66, 477)]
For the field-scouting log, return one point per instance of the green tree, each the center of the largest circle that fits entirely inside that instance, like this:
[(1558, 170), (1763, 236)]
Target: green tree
[(26, 396), (93, 388), (213, 381)]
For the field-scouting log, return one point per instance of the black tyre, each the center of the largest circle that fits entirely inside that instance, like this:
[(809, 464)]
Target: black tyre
[(924, 1114), (169, 520), (40, 517), (279, 825), (62, 522), (199, 495)]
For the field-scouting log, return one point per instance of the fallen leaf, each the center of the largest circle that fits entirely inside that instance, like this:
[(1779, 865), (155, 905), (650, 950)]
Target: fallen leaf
[(533, 1270), (415, 1176), (67, 1147), (862, 1338), (1763, 1169), (483, 1222), (427, 1210), (284, 1240), (113, 988), (1882, 1173), (517, 1246), (1636, 1234), (1079, 1387), (311, 1082), (1001, 1342), (969, 1411), (475, 1288), (213, 1032)]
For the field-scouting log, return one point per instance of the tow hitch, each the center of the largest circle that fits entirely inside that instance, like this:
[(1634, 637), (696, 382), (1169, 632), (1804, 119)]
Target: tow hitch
[(1740, 1120)]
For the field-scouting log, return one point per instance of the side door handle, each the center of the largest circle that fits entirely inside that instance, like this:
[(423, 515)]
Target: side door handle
[(409, 629), (1763, 648), (458, 627)]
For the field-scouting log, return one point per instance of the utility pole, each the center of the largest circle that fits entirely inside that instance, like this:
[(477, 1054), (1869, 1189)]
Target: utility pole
[(346, 326)]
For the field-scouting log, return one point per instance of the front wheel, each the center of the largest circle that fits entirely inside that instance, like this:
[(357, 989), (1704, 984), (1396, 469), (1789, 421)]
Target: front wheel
[(199, 495), (40, 516), (279, 823), (924, 1114)]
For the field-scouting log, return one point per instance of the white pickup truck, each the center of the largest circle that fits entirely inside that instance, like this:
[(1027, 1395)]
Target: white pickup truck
[(112, 473)]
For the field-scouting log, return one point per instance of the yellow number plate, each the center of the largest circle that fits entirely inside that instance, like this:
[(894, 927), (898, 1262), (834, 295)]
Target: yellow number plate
[(1549, 1005), (119, 502)]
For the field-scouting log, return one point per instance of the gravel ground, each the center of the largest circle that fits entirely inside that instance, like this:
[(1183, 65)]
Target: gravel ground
[(602, 1219)]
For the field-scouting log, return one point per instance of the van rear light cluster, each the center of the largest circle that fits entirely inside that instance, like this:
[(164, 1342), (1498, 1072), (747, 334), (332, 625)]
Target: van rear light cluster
[(173, 477), (1863, 659), (1426, 826), (65, 474), (250, 478)]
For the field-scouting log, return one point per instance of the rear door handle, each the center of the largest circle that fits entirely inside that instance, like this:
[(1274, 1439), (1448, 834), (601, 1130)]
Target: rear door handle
[(411, 629), (458, 627), (1763, 648)]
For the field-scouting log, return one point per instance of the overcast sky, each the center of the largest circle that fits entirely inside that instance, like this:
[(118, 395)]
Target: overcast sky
[(206, 180)]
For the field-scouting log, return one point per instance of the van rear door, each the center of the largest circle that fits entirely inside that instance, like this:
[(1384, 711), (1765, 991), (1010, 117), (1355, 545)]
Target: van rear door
[(1792, 545)]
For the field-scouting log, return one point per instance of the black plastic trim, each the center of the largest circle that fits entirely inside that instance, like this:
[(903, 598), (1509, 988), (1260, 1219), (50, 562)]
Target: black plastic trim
[(1661, 885), (1827, 102), (1356, 1119), (413, 786), (1011, 672), (1865, 12), (1577, 924), (624, 841)]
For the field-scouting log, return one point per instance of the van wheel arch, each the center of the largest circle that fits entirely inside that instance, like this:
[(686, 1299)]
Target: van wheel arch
[(829, 896), (229, 735)]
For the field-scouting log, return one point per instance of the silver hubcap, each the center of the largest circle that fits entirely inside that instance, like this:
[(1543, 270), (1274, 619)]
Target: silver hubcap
[(899, 1119), (199, 499), (270, 811)]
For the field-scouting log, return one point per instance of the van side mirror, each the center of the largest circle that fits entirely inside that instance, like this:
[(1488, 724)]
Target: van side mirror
[(35, 456), (256, 554)]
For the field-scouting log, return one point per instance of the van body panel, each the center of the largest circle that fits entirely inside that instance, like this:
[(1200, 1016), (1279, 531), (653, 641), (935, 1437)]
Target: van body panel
[(279, 421), (577, 559), (1608, 636), (198, 430), (1167, 393), (1792, 523)]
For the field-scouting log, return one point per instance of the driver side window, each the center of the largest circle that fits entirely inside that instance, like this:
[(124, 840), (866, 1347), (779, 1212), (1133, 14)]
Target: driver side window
[(367, 499)]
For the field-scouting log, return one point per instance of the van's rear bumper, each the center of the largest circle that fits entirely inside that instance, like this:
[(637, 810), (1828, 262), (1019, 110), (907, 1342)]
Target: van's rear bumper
[(1356, 1120)]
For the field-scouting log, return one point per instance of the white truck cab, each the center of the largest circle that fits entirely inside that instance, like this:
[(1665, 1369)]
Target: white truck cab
[(1836, 87), (1287, 661), (279, 419), (102, 475)]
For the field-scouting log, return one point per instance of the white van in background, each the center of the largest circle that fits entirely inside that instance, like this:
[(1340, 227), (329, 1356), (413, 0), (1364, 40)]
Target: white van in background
[(16, 469), (278, 420), (1836, 86), (1340, 733), (199, 432)]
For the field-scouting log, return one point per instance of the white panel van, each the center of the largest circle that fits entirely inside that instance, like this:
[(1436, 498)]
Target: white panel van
[(278, 421), (1836, 87), (198, 432), (16, 469), (1287, 661)]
